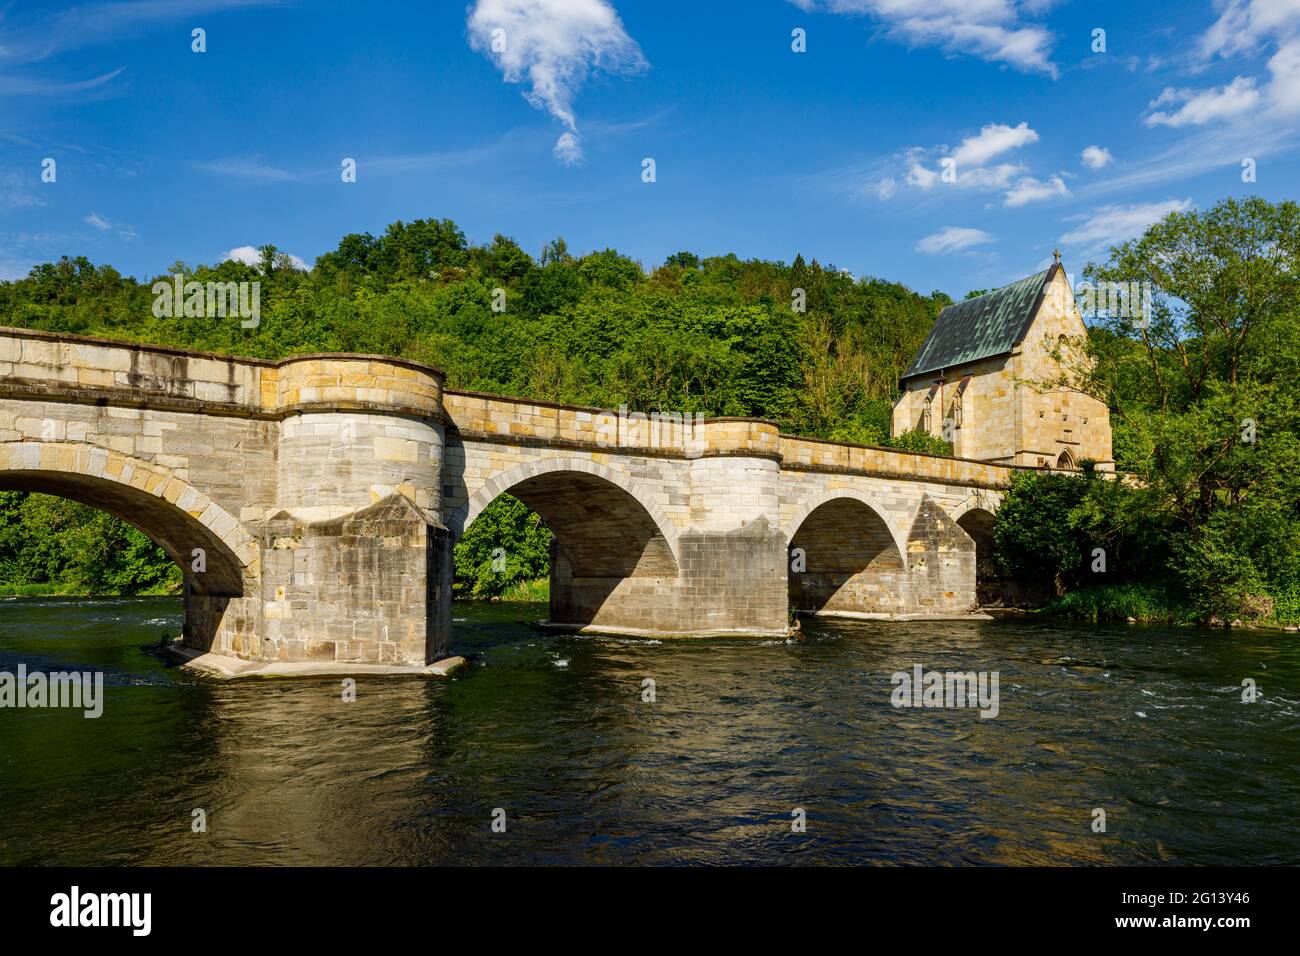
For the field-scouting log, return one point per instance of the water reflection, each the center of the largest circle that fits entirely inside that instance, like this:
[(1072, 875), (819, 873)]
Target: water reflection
[(1147, 724)]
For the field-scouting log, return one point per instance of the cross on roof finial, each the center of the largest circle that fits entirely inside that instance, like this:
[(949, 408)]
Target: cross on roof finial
[(1056, 253)]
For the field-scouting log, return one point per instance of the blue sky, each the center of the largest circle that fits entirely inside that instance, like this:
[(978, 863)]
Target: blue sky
[(836, 153)]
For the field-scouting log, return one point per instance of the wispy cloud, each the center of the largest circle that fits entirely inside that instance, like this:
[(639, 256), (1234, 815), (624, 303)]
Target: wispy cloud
[(505, 144), (42, 35), (17, 191), (990, 29), (953, 239), (1197, 151), (98, 221), (552, 46), (243, 167), (1197, 107), (34, 35), (1110, 225), (1030, 190), (33, 86)]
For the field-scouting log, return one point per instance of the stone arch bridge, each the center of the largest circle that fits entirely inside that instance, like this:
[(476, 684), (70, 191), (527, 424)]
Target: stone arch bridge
[(312, 503)]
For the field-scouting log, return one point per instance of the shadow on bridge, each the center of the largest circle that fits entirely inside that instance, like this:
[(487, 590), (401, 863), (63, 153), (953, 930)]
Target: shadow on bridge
[(611, 562), (845, 559), (215, 574)]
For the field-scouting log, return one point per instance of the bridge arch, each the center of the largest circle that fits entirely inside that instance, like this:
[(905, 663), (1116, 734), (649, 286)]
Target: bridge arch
[(811, 504), (978, 501), (614, 557), (849, 560), (531, 477), (168, 510), (977, 521)]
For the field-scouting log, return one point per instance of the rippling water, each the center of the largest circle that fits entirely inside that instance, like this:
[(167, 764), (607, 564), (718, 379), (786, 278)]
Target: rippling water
[(1145, 723)]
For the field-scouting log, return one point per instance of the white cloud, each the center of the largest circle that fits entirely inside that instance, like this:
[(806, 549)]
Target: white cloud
[(1097, 157), (1284, 90), (552, 45), (567, 149), (1030, 190), (250, 256), (921, 177), (989, 177), (989, 29), (992, 141), (98, 221), (953, 239), (1245, 24), (970, 159), (886, 187), (1111, 225), (1245, 27), (1204, 106)]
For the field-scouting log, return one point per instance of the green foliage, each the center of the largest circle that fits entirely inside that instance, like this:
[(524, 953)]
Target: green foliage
[(536, 592), (1206, 416), (1146, 603), (1286, 605), (524, 544), (52, 541), (1035, 536), (920, 441)]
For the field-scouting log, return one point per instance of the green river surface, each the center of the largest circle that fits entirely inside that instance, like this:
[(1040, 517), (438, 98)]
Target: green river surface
[(1145, 723)]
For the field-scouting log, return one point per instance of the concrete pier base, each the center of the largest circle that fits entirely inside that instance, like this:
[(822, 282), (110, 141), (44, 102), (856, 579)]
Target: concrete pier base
[(219, 665)]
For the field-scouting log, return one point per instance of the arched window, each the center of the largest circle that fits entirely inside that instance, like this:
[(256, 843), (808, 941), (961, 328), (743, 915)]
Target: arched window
[(1066, 461), (926, 416)]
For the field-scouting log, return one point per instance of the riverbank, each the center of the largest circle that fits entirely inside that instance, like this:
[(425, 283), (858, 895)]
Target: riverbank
[(521, 592), (1147, 604), (56, 589), (528, 592)]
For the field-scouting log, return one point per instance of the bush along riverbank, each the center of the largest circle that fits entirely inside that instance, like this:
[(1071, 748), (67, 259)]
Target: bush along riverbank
[(1099, 550), (1141, 603), (1151, 604), (61, 589), (1200, 379)]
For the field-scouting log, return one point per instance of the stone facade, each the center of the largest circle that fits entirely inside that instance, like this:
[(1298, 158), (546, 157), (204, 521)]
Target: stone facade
[(324, 494), (1013, 410)]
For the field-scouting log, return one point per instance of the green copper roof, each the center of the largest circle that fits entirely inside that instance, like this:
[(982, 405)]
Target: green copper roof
[(987, 325)]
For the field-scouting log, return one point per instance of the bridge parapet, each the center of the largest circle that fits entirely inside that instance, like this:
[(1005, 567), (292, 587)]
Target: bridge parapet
[(497, 418), (816, 454), (58, 367)]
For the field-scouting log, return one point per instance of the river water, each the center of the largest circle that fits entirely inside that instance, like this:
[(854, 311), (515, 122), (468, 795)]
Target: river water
[(1147, 724)]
